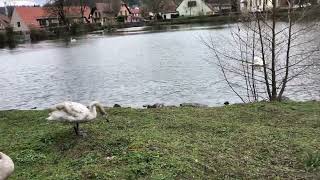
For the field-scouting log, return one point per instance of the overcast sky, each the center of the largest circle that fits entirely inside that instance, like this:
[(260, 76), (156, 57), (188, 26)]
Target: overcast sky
[(40, 1), (23, 2)]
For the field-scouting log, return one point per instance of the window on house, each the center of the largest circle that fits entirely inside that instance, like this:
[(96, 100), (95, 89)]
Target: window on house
[(42, 22), (192, 4), (126, 13), (18, 24)]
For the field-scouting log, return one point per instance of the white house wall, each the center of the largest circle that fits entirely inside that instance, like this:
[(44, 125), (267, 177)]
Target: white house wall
[(16, 18), (256, 5), (168, 15), (200, 9)]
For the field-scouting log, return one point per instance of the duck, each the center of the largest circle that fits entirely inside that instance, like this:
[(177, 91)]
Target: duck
[(76, 113), (6, 166)]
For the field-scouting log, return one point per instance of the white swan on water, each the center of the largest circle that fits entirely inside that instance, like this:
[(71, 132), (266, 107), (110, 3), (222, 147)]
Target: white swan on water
[(73, 40), (6, 166), (258, 62), (76, 113)]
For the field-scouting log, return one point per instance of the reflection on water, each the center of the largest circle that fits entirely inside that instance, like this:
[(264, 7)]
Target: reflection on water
[(170, 67)]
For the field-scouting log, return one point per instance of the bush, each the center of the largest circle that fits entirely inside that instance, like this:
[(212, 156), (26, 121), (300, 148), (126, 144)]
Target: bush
[(38, 35), (10, 37), (93, 27), (75, 29), (3, 39), (57, 32), (120, 19)]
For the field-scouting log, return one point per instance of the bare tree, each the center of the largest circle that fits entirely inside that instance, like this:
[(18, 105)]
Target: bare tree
[(83, 5), (154, 6), (116, 4), (59, 9), (270, 50)]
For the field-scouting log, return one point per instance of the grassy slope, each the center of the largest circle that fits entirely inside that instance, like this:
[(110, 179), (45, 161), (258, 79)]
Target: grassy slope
[(240, 141)]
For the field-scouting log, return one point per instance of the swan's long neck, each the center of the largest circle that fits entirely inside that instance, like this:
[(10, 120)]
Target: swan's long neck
[(93, 110)]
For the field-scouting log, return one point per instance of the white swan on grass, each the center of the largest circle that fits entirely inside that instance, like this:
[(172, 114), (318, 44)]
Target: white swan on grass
[(73, 112), (6, 166)]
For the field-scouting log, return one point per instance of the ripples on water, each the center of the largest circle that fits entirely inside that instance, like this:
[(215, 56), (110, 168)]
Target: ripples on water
[(170, 67)]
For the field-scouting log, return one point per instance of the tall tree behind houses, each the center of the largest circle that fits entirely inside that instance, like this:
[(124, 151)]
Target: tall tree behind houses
[(154, 6), (59, 9)]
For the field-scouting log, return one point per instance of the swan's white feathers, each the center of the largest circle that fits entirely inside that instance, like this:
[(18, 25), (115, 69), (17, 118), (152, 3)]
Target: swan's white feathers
[(258, 61), (73, 112), (6, 166)]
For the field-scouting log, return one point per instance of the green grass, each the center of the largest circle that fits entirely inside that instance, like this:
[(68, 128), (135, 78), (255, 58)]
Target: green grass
[(264, 140)]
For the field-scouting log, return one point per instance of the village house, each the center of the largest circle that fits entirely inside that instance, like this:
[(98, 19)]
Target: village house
[(125, 13), (25, 18), (222, 6), (169, 11), (107, 13), (259, 5), (135, 11), (4, 22), (194, 8), (202, 7), (104, 14), (136, 14)]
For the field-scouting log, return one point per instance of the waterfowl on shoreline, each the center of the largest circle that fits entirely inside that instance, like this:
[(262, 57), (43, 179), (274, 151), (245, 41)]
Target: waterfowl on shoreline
[(73, 112), (73, 40), (257, 62), (6, 166)]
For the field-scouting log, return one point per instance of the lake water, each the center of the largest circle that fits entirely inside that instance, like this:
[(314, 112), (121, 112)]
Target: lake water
[(132, 67)]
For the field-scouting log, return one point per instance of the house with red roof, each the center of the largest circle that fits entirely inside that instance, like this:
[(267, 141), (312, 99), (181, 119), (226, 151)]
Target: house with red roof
[(136, 14), (26, 18), (136, 11), (130, 15), (107, 13)]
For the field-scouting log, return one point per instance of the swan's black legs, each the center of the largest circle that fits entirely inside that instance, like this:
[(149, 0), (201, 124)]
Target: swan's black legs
[(78, 132), (76, 129)]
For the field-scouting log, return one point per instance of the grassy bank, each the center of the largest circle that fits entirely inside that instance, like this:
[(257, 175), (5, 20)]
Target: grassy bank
[(240, 141)]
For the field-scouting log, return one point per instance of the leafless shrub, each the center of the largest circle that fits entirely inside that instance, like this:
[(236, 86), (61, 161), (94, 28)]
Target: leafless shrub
[(272, 52)]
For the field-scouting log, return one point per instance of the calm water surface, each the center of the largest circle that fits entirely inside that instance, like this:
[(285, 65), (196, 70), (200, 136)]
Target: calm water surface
[(132, 68)]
